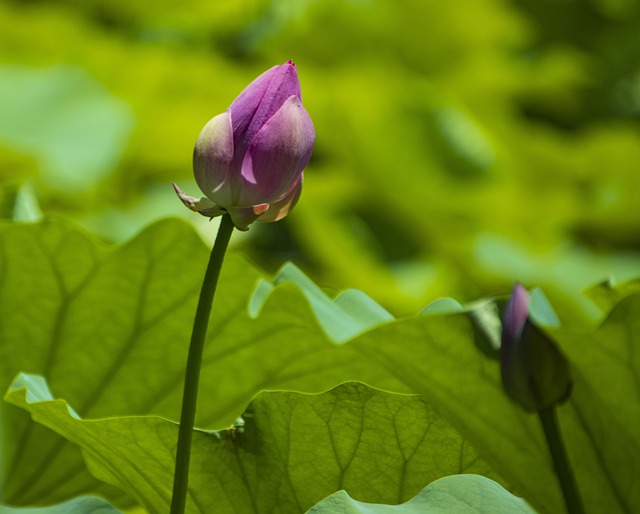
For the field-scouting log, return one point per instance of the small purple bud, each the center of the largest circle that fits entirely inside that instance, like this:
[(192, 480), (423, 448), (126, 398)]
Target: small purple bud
[(535, 374), (517, 312), (248, 161)]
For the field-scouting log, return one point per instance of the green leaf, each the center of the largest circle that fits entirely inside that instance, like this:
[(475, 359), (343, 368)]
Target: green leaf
[(606, 294), (289, 451), (458, 494), (602, 419), (113, 329), (442, 306), (66, 120), (86, 505), (541, 310), (101, 318), (106, 317), (350, 314)]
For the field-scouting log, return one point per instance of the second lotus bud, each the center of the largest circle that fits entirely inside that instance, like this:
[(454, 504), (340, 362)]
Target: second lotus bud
[(535, 373)]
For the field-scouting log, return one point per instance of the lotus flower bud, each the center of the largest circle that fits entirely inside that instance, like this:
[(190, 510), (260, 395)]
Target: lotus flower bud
[(534, 372), (248, 161)]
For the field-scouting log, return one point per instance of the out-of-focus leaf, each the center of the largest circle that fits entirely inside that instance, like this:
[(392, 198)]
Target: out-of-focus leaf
[(25, 207), (67, 121), (459, 494), (606, 294), (289, 451), (562, 272), (442, 306), (85, 505), (541, 310)]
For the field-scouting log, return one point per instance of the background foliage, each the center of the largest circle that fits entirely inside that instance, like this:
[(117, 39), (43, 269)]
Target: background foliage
[(460, 144)]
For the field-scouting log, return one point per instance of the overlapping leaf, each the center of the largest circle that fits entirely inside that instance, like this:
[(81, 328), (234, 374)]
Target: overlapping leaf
[(113, 327), (84, 505), (290, 451), (459, 494), (604, 414)]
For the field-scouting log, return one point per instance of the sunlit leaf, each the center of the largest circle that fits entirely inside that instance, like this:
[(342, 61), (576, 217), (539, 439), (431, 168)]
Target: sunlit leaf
[(114, 325), (112, 333), (602, 417), (86, 505), (288, 452), (459, 494), (66, 120)]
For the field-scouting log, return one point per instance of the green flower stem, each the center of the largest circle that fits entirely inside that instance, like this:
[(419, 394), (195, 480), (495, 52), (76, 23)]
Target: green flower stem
[(551, 427), (194, 362)]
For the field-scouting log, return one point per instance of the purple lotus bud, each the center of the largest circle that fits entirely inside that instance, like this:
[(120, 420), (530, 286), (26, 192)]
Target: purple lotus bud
[(248, 161), (534, 372)]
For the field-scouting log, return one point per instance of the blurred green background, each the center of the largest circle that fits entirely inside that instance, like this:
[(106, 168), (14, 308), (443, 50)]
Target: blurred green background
[(461, 145)]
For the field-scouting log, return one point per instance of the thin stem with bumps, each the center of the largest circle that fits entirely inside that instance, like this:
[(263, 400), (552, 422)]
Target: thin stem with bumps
[(194, 363)]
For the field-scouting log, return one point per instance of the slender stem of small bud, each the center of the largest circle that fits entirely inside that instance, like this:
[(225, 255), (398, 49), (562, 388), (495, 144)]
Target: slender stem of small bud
[(561, 464), (194, 362)]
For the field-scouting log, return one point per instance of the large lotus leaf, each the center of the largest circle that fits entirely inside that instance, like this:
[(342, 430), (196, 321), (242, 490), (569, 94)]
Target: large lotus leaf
[(606, 294), (59, 298), (109, 330), (458, 494), (127, 310), (290, 450), (444, 358), (66, 120), (603, 417), (598, 422), (85, 505)]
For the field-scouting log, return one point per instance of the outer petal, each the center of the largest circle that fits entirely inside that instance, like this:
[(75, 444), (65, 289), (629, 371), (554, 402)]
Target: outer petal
[(282, 207), (213, 157), (244, 107), (277, 155), (259, 102)]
